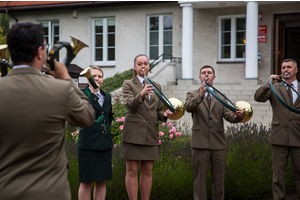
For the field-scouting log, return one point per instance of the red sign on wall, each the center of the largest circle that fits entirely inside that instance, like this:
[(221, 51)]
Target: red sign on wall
[(262, 38), (262, 29)]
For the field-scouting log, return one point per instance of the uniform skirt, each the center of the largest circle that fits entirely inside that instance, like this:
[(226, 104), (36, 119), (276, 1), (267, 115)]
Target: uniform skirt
[(94, 165), (139, 152)]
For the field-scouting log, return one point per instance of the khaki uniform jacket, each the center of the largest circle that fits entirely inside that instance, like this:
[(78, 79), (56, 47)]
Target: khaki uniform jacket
[(33, 114), (208, 128), (285, 123), (142, 116)]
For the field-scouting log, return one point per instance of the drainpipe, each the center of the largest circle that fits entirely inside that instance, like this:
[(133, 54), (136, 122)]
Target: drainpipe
[(11, 15)]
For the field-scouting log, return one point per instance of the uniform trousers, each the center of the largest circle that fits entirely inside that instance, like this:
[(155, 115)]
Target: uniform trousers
[(280, 155), (201, 160)]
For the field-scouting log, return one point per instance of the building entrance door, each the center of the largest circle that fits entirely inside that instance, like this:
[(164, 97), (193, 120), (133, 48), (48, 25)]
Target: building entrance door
[(286, 40)]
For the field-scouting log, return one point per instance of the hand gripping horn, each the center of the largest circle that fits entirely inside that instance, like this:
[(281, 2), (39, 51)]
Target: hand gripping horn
[(280, 99), (173, 104), (72, 50), (245, 106), (4, 64)]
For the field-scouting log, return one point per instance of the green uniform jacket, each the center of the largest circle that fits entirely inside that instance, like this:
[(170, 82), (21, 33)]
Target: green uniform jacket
[(97, 136)]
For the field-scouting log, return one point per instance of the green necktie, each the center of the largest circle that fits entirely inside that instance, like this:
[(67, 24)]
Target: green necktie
[(290, 96), (208, 99)]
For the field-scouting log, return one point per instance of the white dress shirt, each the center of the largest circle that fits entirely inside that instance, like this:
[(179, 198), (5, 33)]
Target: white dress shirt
[(100, 96), (295, 86)]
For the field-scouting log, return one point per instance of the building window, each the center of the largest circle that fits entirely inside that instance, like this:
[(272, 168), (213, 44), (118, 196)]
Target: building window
[(160, 35), (51, 33), (103, 41), (232, 38)]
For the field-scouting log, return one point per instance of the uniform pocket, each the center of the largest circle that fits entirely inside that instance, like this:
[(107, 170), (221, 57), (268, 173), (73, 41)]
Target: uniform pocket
[(275, 123), (195, 128)]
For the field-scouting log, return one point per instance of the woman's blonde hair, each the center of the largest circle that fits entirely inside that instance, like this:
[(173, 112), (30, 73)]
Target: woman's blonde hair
[(96, 67)]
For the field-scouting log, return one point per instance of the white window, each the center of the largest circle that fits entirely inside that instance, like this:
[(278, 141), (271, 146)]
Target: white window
[(159, 35), (103, 41), (51, 33), (232, 38)]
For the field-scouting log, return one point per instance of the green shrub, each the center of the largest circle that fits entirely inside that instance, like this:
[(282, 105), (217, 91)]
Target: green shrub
[(248, 168), (112, 83)]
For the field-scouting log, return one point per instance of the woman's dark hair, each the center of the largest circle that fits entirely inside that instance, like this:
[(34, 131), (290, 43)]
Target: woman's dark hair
[(139, 55), (23, 40)]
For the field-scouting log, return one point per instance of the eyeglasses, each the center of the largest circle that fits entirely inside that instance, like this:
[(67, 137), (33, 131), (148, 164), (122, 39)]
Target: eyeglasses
[(46, 46)]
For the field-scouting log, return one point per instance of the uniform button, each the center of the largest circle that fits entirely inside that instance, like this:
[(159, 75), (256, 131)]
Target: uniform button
[(146, 119), (102, 112), (102, 131), (209, 127), (147, 110), (102, 125), (95, 99), (290, 120), (210, 118)]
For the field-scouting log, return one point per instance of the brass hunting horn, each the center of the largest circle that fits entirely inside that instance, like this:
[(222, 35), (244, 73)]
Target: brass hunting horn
[(173, 104), (87, 73), (243, 105), (72, 50), (280, 99), (4, 64)]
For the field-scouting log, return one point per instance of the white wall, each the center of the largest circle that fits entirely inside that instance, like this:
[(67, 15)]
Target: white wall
[(130, 30)]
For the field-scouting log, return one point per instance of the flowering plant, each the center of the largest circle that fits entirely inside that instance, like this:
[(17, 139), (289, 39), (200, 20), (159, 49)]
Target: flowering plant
[(167, 132), (75, 135), (116, 129)]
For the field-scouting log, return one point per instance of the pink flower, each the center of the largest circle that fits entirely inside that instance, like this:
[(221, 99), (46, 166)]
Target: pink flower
[(77, 131), (112, 123), (178, 134), (122, 119), (169, 125), (159, 142), (161, 134), (171, 131), (115, 145), (121, 127), (163, 124), (118, 120), (174, 129), (169, 122), (72, 134), (179, 157), (117, 117), (171, 136)]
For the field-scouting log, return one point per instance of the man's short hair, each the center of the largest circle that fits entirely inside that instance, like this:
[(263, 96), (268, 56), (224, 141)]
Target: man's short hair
[(290, 60), (207, 66), (23, 40)]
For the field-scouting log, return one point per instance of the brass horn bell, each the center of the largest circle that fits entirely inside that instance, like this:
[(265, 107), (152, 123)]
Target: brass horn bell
[(72, 50), (174, 104), (178, 106), (243, 105)]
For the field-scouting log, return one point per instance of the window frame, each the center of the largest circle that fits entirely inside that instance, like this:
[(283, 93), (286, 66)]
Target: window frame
[(50, 34), (233, 32), (160, 34), (105, 61)]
